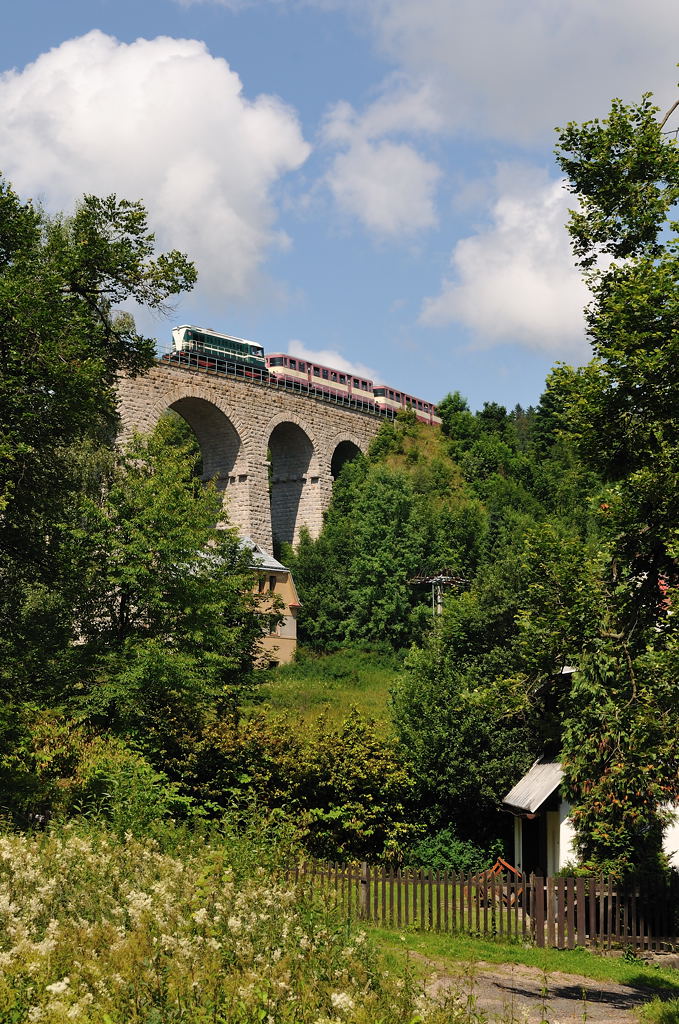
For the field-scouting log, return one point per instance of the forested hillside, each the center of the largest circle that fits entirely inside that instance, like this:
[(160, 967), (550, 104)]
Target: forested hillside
[(500, 504)]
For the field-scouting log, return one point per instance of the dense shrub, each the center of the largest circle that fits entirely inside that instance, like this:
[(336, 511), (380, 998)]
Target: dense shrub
[(345, 788), (445, 851), (64, 769)]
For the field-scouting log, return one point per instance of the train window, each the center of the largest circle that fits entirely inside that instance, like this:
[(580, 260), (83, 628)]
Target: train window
[(276, 361), (364, 385), (317, 372), (357, 383), (391, 394), (292, 363), (325, 374), (343, 379), (379, 392), (333, 376), (302, 366)]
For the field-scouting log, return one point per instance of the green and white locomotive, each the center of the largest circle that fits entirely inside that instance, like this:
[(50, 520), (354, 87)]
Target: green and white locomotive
[(210, 350)]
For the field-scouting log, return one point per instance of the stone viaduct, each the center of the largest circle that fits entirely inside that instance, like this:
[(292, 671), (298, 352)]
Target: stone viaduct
[(273, 452)]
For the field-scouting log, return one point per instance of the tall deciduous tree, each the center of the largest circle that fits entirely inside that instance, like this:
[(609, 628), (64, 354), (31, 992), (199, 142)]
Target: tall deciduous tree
[(167, 624), (62, 342), (623, 409)]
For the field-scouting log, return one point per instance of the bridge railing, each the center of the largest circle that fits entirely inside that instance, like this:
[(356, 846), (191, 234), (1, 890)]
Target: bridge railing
[(223, 368)]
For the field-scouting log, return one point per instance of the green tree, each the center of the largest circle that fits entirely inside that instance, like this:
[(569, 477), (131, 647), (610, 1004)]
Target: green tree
[(623, 412), (165, 620), (63, 339), (402, 510), (623, 408), (621, 761), (485, 696)]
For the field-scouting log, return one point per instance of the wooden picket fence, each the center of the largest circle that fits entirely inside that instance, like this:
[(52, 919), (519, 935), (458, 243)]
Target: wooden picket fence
[(554, 911)]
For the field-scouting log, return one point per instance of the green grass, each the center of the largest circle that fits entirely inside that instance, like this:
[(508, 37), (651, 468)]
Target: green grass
[(660, 1012), (329, 684), (452, 950)]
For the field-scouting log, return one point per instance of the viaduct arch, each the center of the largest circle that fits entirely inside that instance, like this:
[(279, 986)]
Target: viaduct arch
[(273, 453)]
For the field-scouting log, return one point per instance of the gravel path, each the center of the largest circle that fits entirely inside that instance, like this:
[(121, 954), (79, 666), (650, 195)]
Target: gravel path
[(516, 993)]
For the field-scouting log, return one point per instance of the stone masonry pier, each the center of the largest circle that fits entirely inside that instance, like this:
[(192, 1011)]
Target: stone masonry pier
[(273, 452)]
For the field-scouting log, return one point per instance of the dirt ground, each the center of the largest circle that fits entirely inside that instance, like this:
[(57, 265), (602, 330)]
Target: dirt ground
[(516, 993)]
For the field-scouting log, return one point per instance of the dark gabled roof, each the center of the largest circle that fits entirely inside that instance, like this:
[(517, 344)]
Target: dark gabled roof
[(530, 793)]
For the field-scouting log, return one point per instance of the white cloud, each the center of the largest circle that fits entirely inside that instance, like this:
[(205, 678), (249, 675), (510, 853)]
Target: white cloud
[(384, 182), (402, 107), (386, 185), (514, 281), (331, 357), (513, 71), (164, 121)]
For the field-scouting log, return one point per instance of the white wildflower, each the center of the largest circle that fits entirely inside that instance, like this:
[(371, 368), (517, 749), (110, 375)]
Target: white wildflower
[(342, 1001), (200, 916), (59, 987)]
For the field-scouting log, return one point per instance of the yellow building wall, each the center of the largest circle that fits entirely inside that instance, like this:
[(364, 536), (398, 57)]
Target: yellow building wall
[(279, 645)]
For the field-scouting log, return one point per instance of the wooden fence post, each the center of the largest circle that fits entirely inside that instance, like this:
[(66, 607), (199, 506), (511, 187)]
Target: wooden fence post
[(364, 893), (539, 919)]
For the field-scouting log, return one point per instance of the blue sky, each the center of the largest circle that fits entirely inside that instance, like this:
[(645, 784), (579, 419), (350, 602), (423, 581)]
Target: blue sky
[(369, 181)]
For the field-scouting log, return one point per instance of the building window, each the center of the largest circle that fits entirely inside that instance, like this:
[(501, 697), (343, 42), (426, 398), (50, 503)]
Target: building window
[(272, 582), (261, 584)]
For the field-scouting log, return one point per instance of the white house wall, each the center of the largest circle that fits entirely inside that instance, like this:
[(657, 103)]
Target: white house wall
[(671, 842), (518, 843), (567, 852)]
